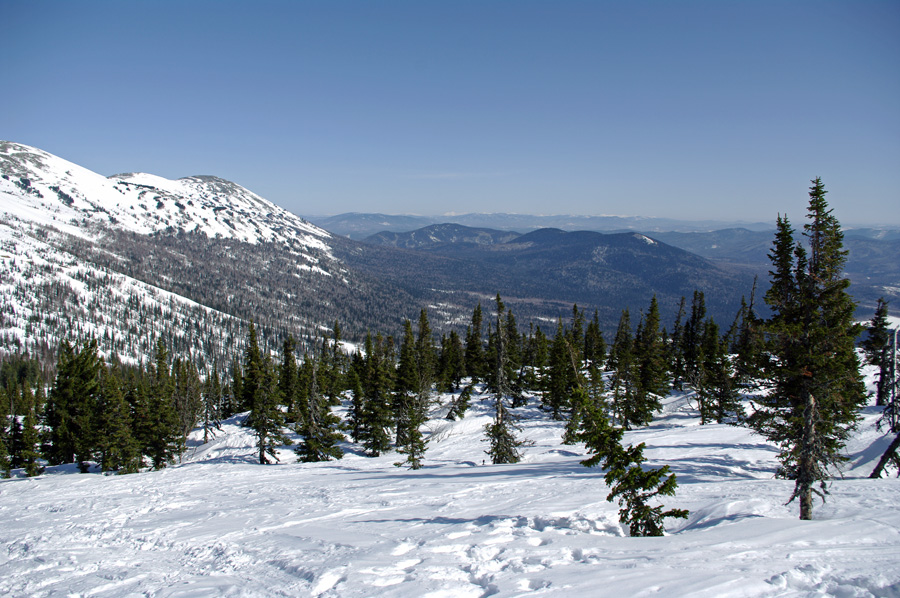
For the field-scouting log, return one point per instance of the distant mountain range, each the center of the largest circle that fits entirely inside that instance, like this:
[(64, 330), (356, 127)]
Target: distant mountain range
[(356, 225), (133, 257)]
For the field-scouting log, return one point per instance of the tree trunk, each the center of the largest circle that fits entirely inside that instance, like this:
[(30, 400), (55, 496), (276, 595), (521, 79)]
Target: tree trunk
[(889, 455)]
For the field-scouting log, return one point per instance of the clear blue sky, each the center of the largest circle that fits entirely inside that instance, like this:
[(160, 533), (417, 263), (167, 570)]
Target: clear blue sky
[(718, 109)]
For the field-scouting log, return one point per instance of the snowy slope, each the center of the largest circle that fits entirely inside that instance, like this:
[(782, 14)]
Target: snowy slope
[(41, 187), (50, 292), (220, 525)]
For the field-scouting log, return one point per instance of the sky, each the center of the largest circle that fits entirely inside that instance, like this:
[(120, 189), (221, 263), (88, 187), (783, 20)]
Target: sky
[(689, 109)]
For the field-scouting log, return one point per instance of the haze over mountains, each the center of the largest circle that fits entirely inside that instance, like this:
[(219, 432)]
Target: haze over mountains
[(131, 256)]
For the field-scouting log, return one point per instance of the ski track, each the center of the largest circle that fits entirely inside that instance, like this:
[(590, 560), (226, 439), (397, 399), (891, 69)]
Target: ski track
[(220, 525)]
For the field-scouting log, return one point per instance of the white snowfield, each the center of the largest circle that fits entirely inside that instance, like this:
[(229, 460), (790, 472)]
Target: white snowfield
[(69, 197), (218, 524)]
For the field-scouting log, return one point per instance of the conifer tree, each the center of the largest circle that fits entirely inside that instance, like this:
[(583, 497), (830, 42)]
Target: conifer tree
[(629, 482), (474, 347), (117, 446), (652, 369), (377, 383), (816, 386), (560, 378), (319, 429), (621, 363), (71, 405), (29, 451), (162, 432), (505, 446), (879, 353), (452, 362), (692, 339), (187, 398), (212, 395), (260, 389), (288, 382), (594, 344), (676, 350)]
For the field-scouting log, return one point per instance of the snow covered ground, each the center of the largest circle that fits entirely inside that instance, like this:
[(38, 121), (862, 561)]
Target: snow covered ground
[(218, 524)]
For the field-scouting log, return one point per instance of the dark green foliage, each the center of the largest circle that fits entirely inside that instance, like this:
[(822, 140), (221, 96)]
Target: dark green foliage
[(212, 393), (461, 404), (260, 391), (717, 389), (816, 389), (319, 429), (117, 448), (28, 449), (505, 445), (623, 382), (288, 382), (629, 482), (70, 408), (652, 378), (162, 433), (634, 486), (452, 363), (879, 353), (376, 415), (474, 352), (187, 399)]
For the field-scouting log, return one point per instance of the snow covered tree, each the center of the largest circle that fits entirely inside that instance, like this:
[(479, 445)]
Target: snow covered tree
[(816, 388)]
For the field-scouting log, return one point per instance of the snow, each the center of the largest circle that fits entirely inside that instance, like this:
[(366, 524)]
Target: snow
[(142, 203), (218, 524)]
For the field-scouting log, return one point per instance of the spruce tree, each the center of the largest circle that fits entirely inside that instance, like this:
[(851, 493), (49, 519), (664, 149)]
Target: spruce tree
[(319, 435), (652, 378), (288, 382), (816, 388), (505, 445), (376, 413), (117, 446), (260, 390), (212, 394), (162, 432), (879, 353), (621, 362), (475, 365), (29, 451)]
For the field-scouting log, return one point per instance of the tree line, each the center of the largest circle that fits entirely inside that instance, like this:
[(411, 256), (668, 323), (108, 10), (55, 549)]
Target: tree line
[(799, 365)]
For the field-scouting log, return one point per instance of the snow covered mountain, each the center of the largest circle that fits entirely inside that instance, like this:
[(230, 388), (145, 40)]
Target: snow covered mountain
[(83, 254), (40, 187)]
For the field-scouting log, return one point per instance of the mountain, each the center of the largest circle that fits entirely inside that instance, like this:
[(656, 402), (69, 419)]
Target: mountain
[(872, 264), (439, 235), (357, 225), (131, 257), (545, 271)]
